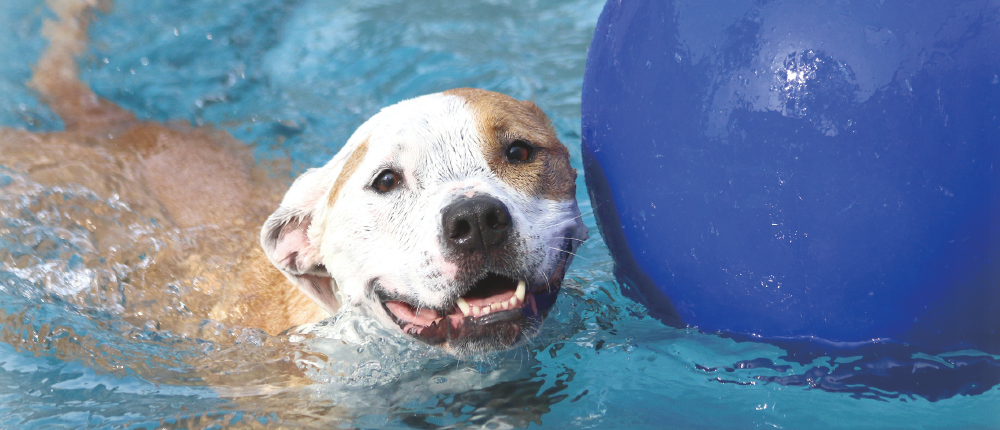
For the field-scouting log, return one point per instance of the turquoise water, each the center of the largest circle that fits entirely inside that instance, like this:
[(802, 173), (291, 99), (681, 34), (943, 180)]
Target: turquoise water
[(293, 79)]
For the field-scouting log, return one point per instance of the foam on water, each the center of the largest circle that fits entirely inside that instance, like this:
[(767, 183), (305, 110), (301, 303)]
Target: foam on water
[(294, 78)]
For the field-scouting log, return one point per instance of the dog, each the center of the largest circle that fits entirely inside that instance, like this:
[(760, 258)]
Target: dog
[(451, 216)]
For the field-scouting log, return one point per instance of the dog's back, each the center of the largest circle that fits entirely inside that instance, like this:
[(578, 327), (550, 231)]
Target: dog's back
[(196, 181)]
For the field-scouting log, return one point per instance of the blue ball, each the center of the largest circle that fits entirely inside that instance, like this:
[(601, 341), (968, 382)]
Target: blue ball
[(802, 168)]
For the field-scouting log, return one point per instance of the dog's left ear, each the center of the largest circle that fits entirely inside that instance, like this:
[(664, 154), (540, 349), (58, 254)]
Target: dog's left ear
[(287, 243)]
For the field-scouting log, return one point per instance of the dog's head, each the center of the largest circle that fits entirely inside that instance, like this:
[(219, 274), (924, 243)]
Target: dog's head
[(452, 216)]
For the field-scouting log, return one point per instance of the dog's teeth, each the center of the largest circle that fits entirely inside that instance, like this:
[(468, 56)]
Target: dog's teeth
[(514, 302), (463, 306), (495, 307), (505, 305), (520, 290), (475, 311), (485, 310)]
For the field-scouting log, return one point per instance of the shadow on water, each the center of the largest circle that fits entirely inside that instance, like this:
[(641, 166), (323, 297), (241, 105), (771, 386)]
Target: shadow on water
[(514, 404), (878, 370)]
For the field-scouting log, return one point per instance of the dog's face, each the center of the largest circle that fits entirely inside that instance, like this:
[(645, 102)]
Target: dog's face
[(451, 216)]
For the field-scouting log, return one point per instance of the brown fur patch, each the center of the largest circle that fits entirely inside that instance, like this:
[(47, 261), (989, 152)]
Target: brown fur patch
[(350, 166), (286, 305), (503, 120), (203, 189)]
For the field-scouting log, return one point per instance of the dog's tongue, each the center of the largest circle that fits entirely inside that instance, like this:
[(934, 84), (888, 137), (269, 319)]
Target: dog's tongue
[(406, 313)]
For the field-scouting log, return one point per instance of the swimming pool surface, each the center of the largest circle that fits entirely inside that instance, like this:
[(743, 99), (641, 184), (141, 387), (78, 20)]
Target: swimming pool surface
[(294, 78)]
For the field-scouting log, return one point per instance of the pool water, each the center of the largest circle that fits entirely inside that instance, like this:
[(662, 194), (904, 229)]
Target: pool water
[(293, 79)]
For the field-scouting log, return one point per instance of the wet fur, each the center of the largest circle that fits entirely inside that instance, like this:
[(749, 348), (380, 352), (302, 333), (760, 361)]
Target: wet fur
[(197, 180)]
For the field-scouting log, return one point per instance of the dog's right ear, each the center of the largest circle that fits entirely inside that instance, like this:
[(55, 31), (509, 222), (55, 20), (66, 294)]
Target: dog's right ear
[(291, 248)]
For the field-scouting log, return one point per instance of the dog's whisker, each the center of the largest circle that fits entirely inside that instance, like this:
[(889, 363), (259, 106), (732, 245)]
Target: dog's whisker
[(581, 215), (570, 253), (563, 222), (548, 286), (542, 275), (570, 238)]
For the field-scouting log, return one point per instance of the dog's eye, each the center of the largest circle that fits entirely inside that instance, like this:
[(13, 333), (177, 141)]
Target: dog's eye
[(386, 181), (520, 151)]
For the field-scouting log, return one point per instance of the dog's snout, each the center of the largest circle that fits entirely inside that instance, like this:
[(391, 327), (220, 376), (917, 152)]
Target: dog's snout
[(476, 223)]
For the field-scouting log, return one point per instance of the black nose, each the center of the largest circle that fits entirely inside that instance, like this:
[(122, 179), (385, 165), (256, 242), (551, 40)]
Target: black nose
[(475, 223)]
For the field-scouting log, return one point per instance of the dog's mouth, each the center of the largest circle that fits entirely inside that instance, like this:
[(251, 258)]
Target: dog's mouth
[(497, 312)]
